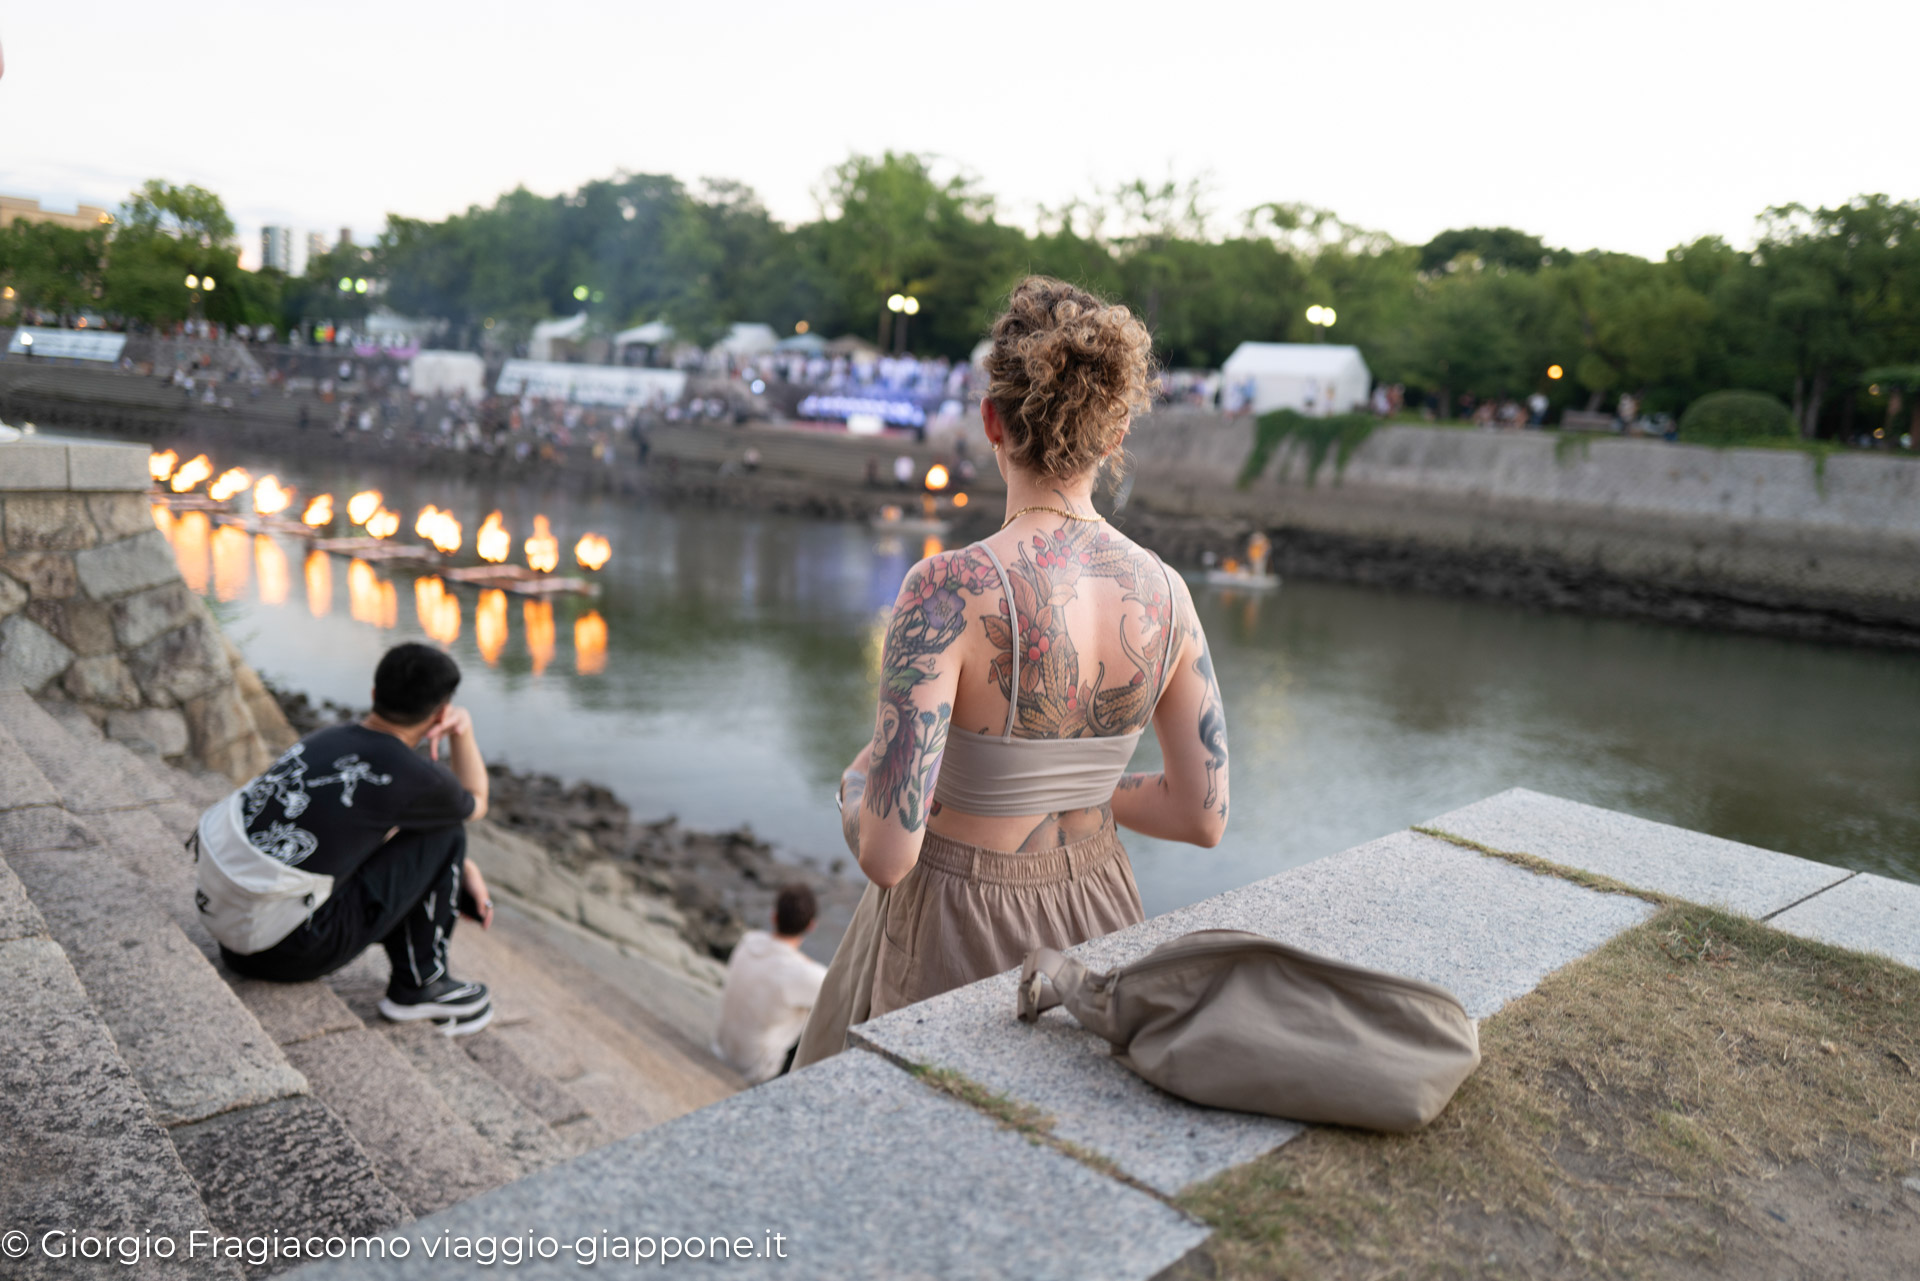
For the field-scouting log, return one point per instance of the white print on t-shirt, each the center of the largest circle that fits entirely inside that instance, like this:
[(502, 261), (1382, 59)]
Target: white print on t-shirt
[(287, 782), (286, 843)]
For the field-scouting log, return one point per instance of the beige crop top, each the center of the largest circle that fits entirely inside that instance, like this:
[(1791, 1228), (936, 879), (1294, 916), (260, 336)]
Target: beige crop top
[(1007, 777)]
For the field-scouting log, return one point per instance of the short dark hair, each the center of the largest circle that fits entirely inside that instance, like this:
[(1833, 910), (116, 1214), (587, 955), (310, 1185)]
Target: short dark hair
[(412, 681), (794, 910)]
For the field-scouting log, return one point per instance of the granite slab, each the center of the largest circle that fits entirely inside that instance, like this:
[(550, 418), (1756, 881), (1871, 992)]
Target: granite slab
[(1638, 852), (1484, 929), (864, 1171), (19, 918), (21, 782), (1866, 913)]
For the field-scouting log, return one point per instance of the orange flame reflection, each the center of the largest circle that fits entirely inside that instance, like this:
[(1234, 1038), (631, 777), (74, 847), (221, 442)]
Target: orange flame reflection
[(438, 608), (493, 542), (190, 550), (439, 528), (383, 523), (163, 519), (538, 616), (959, 500), (231, 563), (371, 598), (271, 564), (590, 643), (160, 465), (270, 497), (319, 584), (931, 548), (490, 624), (592, 551), (232, 481), (543, 549), (191, 473), (363, 505), (319, 512)]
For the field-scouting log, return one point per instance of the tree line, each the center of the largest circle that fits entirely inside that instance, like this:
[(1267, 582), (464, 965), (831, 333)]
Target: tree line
[(1823, 311)]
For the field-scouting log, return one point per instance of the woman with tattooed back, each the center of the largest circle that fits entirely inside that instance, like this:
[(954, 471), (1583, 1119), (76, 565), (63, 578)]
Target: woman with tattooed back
[(1018, 675)]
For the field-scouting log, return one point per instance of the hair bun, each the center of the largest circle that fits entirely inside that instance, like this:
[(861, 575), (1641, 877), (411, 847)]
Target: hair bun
[(1067, 373)]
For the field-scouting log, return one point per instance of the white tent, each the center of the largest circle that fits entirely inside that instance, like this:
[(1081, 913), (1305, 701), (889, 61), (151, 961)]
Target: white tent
[(591, 384), (746, 339), (440, 373), (1310, 378), (540, 346), (651, 334)]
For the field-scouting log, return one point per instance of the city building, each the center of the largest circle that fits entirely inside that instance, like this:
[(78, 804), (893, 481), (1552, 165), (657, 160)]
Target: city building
[(276, 248), (22, 209)]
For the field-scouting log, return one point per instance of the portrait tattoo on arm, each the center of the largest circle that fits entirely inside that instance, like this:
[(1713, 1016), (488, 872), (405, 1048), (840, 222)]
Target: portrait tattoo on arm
[(854, 791), (1213, 732)]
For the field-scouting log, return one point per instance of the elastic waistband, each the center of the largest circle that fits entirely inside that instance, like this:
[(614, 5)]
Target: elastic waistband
[(999, 867)]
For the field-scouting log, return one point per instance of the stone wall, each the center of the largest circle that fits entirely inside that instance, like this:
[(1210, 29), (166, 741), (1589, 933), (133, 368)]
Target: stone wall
[(93, 609)]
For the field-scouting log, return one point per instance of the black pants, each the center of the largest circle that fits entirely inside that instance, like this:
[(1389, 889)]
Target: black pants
[(405, 896)]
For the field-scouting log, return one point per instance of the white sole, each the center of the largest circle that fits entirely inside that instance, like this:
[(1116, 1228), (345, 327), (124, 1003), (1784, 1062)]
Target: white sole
[(467, 1026), (432, 1009)]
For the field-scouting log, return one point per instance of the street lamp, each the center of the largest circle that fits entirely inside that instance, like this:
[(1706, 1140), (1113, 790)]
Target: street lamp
[(1321, 318), (902, 306), (1555, 373)]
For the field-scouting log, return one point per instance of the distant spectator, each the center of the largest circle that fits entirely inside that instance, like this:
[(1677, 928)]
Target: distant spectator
[(771, 988), (903, 471)]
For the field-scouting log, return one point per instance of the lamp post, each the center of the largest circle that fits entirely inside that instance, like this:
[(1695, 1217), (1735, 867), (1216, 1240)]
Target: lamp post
[(902, 306), (1321, 318), (198, 287)]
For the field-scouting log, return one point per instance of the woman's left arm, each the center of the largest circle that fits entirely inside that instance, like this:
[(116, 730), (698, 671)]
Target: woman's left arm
[(919, 675)]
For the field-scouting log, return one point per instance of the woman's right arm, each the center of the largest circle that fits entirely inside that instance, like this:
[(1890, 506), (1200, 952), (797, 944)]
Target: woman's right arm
[(1187, 800)]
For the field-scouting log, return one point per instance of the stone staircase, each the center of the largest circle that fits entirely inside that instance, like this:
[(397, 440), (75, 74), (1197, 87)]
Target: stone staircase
[(145, 1090)]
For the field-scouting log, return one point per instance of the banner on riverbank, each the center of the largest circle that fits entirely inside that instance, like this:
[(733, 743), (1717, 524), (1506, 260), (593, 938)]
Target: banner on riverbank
[(591, 384), (66, 344)]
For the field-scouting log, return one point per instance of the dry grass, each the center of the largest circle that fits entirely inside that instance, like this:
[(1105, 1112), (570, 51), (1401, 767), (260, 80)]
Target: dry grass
[(1704, 1096)]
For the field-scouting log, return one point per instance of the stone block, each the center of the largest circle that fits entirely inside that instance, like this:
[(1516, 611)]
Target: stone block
[(13, 595), (181, 664), (86, 782), (192, 1046), (142, 616), (286, 1166), (145, 560), (32, 829), (159, 730), (108, 466), (1865, 913), (119, 516), (28, 465), (262, 708), (46, 575), (422, 1150), (19, 918), (83, 626), (82, 1150), (216, 717), (518, 1136), (102, 680), (48, 523), (240, 760), (21, 782), (545, 1097), (1484, 929), (30, 655), (293, 1012), (1637, 852), (866, 1173)]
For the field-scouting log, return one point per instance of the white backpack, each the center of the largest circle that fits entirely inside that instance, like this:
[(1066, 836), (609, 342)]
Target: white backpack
[(248, 900)]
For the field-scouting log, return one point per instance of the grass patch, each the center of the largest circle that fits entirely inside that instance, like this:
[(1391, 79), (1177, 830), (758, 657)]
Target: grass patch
[(1703, 1096), (1337, 437), (1023, 1118)]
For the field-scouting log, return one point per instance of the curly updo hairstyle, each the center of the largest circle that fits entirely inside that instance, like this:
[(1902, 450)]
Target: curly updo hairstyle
[(1067, 373)]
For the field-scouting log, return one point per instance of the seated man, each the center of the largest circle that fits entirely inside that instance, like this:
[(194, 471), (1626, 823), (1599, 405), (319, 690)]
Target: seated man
[(351, 837), (771, 988)]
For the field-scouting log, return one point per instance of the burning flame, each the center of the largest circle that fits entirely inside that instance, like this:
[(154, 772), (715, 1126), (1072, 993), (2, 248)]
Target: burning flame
[(270, 497), (538, 615), (490, 624), (543, 549), (190, 550), (371, 598), (937, 477), (319, 584), (493, 542), (231, 563), (363, 505), (590, 643), (271, 564), (191, 473), (383, 523), (161, 465), (439, 609), (439, 528), (592, 551), (232, 481), (320, 511)]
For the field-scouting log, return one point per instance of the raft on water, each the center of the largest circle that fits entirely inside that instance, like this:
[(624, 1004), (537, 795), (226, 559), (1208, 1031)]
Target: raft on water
[(524, 582), (370, 549)]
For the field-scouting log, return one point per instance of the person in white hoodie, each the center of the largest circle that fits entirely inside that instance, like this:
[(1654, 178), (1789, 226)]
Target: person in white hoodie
[(771, 988)]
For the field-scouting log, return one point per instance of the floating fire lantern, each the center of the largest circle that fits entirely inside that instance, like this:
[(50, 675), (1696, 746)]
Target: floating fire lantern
[(191, 473), (161, 465), (493, 542), (232, 481), (592, 551), (383, 523), (270, 497), (319, 512), (543, 549), (362, 506), (937, 477), (439, 528)]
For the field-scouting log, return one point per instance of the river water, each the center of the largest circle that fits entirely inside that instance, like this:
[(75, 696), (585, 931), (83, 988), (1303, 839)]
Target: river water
[(726, 674)]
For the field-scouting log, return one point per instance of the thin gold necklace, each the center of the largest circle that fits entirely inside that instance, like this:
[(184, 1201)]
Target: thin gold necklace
[(1091, 520)]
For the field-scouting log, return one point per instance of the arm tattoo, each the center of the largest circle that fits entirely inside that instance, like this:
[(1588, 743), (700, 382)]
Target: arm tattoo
[(853, 790), (1213, 732), (1134, 782)]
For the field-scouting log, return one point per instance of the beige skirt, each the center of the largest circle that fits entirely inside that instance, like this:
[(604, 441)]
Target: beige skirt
[(964, 913)]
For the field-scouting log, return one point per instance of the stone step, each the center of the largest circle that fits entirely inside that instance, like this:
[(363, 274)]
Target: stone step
[(19, 918), (423, 1150), (87, 778), (520, 1136), (193, 1047), (82, 1149)]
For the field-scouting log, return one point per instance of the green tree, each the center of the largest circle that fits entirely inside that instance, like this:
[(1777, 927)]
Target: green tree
[(53, 268)]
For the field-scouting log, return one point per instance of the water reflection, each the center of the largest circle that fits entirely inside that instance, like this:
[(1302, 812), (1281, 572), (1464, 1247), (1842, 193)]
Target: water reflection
[(538, 616), (490, 625), (190, 549), (590, 643), (319, 571), (438, 608), (271, 564), (371, 598)]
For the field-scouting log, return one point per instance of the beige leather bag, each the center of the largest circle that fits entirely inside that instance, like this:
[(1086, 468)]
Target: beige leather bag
[(1234, 1020)]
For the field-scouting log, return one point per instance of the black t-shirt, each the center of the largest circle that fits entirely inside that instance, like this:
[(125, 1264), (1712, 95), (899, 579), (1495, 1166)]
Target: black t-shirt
[(329, 801)]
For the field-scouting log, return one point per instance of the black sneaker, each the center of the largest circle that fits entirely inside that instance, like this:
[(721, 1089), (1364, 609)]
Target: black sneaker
[(444, 998), (465, 1026)]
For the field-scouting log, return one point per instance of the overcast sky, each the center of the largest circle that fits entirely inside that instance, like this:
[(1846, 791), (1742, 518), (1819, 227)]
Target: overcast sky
[(1616, 123)]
